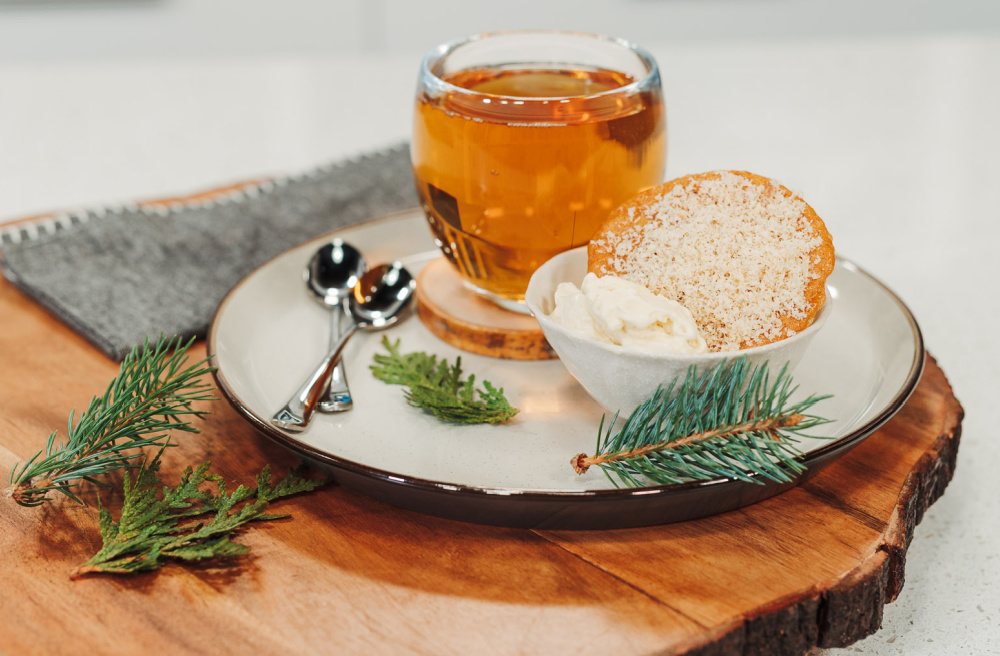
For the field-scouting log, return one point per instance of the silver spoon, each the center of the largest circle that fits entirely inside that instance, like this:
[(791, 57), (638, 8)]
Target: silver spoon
[(331, 275), (381, 298)]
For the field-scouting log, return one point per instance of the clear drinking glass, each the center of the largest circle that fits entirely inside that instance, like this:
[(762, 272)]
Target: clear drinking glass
[(523, 142)]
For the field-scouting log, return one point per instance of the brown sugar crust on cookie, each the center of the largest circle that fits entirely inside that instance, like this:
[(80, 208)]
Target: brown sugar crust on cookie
[(745, 255)]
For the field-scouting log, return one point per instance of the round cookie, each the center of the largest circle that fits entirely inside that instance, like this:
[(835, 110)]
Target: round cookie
[(748, 257)]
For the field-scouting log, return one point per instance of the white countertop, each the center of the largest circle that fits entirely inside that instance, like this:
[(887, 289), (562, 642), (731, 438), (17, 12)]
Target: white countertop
[(895, 143)]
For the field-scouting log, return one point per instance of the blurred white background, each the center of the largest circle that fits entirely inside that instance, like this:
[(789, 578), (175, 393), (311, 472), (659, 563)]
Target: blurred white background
[(53, 29), (113, 100)]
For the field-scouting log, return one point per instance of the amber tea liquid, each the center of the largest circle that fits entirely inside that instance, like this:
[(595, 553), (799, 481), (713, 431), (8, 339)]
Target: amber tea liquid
[(508, 183)]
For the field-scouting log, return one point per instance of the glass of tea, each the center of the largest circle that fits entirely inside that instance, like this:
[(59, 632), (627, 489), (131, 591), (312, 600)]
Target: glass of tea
[(523, 141)]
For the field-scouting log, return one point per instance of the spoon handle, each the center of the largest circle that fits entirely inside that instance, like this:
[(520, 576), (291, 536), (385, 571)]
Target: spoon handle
[(298, 412), (337, 396)]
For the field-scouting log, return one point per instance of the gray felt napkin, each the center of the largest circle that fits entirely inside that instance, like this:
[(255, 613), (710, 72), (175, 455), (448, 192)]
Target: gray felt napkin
[(120, 275)]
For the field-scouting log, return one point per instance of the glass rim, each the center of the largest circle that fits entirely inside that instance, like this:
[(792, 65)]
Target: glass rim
[(443, 50)]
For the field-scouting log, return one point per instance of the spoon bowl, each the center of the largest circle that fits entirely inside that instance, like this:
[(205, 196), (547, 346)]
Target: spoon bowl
[(333, 271), (382, 297)]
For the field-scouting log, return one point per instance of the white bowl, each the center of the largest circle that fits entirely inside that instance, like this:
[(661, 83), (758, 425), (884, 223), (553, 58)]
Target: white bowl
[(621, 378)]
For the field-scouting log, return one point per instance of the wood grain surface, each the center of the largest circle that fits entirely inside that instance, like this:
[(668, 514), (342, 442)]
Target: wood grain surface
[(349, 575)]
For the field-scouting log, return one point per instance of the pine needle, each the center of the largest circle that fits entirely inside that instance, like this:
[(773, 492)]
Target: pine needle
[(157, 526), (438, 388), (731, 422), (152, 394)]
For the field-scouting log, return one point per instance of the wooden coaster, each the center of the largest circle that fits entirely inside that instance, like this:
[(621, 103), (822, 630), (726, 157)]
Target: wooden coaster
[(466, 320)]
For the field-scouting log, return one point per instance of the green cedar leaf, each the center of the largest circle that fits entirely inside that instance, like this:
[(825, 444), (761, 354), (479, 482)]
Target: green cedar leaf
[(437, 387), (156, 525)]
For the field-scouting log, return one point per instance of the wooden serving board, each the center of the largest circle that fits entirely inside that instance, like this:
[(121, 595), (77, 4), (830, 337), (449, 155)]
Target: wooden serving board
[(349, 575)]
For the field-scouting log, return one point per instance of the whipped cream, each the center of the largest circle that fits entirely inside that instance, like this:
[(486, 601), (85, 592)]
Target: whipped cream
[(618, 311)]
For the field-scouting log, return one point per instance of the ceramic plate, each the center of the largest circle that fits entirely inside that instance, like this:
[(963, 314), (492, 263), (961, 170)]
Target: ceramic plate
[(268, 334)]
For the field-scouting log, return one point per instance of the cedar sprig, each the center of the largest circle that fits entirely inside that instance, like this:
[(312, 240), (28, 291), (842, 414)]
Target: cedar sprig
[(157, 526), (153, 393), (437, 387), (730, 422)]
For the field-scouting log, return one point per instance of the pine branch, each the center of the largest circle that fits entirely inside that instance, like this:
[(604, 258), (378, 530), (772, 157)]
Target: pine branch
[(729, 423), (152, 394), (437, 387), (155, 529)]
